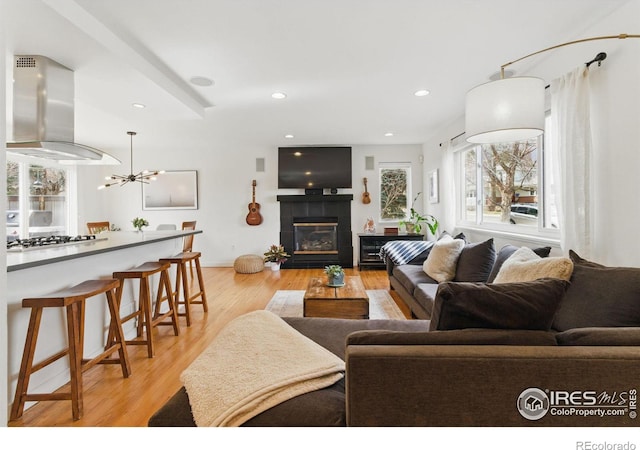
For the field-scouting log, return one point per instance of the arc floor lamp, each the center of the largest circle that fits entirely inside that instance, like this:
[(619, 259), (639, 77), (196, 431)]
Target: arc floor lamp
[(512, 109)]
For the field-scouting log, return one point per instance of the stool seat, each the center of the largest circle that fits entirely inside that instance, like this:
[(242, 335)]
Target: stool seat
[(248, 264), (147, 320), (181, 260), (73, 300), (144, 270)]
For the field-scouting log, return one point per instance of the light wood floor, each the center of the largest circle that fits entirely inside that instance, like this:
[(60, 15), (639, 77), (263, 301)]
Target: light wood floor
[(110, 400)]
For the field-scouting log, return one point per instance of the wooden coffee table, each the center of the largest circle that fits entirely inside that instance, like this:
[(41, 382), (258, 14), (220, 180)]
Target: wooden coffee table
[(347, 302)]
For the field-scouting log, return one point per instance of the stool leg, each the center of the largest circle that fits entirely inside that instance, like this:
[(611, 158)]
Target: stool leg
[(166, 284), (145, 301), (75, 357), (185, 292), (115, 330), (27, 362), (205, 306)]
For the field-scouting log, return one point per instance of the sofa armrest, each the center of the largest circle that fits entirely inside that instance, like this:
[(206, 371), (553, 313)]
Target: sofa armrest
[(600, 336), (480, 385)]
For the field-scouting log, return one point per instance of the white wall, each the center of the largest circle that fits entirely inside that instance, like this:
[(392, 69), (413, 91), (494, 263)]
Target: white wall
[(615, 127), (3, 260), (226, 163)]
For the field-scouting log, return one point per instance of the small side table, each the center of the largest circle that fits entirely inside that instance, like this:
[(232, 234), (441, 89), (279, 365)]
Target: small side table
[(370, 245)]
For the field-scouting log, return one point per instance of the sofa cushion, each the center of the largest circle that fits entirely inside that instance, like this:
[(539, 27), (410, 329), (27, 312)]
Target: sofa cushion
[(332, 333), (441, 262), (468, 336), (600, 336), (528, 305), (600, 296), (525, 265), (425, 295), (508, 250), (476, 261), (410, 276)]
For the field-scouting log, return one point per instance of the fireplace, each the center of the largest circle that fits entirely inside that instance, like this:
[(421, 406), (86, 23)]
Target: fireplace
[(316, 230), (315, 237)]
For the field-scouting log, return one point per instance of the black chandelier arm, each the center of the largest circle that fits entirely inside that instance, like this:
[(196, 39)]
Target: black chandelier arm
[(140, 177)]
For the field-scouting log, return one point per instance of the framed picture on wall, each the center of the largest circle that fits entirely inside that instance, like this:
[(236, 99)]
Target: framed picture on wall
[(174, 189), (433, 187)]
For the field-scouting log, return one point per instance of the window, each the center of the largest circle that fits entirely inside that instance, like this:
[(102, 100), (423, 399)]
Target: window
[(507, 186), (395, 186), (37, 200)]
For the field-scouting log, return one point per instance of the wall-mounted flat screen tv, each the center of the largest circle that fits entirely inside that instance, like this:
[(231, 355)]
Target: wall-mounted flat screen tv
[(314, 167)]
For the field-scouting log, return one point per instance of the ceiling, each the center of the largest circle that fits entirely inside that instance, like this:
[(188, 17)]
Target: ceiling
[(349, 68)]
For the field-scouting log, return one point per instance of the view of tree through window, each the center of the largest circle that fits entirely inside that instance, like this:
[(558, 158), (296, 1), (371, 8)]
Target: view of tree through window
[(39, 194), (510, 178), (394, 196), (502, 184)]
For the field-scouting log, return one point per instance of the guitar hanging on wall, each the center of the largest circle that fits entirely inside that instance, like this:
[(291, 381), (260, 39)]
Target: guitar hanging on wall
[(366, 198), (254, 217)]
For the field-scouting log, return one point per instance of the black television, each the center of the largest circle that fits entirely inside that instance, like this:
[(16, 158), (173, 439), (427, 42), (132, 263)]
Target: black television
[(314, 168)]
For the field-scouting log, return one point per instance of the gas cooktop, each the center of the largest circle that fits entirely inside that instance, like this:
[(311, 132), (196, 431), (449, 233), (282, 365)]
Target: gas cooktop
[(35, 243)]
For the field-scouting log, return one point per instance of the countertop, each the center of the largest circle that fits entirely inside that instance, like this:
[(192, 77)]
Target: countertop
[(115, 240)]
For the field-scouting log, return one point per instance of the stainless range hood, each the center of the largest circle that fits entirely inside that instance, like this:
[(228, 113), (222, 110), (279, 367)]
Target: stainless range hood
[(43, 114)]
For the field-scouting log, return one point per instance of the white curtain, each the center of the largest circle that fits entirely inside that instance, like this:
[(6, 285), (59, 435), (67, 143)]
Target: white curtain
[(571, 149)]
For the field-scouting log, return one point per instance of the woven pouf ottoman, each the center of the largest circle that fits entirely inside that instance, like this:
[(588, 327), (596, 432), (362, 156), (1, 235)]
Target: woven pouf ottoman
[(248, 264)]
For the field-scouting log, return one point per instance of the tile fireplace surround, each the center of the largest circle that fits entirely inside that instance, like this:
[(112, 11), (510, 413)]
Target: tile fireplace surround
[(300, 209)]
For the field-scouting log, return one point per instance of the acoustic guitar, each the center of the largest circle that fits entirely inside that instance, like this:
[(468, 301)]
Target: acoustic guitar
[(366, 198), (254, 217)]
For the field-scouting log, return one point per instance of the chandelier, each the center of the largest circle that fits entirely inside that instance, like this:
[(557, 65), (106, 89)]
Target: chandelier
[(141, 177)]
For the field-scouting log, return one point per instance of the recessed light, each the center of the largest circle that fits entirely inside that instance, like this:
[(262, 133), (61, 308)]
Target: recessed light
[(388, 134), (288, 136), (201, 81), (138, 105), (421, 93), (279, 95)]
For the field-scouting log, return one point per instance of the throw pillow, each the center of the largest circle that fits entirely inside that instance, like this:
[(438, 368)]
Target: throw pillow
[(525, 265), (509, 250), (529, 305), (600, 296), (476, 261), (441, 262)]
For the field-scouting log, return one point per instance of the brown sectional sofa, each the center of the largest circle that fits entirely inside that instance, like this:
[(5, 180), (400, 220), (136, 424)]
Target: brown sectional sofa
[(575, 363)]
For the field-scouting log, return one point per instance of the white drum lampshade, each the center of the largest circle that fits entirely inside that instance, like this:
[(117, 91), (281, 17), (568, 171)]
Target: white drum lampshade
[(506, 110)]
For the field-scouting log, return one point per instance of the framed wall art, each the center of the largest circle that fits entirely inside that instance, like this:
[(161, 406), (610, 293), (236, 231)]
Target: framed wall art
[(174, 189)]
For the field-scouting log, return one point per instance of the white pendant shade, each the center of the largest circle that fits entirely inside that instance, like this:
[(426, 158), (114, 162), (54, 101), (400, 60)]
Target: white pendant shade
[(507, 110)]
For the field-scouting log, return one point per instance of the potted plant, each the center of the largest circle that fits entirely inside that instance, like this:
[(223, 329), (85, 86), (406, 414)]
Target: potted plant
[(413, 224), (139, 222), (335, 275), (276, 255)]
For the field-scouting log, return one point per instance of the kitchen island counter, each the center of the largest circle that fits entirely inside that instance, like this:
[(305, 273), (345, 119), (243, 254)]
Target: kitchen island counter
[(104, 242), (37, 271)]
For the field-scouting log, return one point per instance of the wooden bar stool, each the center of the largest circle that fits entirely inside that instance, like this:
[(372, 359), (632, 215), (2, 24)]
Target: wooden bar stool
[(73, 299), (181, 260), (146, 321)]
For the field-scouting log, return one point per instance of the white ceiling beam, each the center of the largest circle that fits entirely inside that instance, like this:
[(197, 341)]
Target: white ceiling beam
[(125, 47)]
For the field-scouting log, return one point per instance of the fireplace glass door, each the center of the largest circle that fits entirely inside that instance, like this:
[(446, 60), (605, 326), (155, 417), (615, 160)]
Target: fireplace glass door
[(315, 238)]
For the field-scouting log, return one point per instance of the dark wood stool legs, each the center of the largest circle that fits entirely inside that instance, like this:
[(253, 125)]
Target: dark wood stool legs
[(146, 318), (73, 300), (181, 261)]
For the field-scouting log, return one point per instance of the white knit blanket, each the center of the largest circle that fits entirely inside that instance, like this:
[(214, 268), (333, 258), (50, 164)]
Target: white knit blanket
[(256, 362)]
